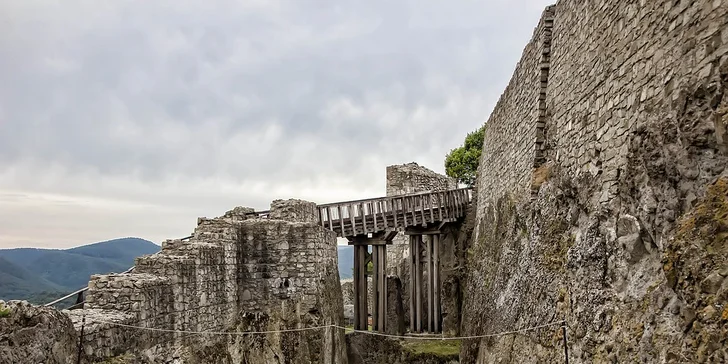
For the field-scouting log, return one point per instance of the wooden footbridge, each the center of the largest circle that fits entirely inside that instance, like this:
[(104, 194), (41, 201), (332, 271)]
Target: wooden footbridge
[(375, 222)]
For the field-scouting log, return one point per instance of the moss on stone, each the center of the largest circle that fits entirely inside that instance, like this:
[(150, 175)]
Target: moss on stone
[(557, 240), (442, 348)]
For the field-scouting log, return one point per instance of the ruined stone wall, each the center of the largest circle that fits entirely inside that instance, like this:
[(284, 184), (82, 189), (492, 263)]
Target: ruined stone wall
[(236, 274), (622, 232), (404, 179), (412, 178)]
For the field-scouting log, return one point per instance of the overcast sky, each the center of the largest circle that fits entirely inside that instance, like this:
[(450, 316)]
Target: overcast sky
[(133, 118)]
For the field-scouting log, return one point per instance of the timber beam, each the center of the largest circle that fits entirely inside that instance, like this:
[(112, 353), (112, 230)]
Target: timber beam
[(380, 238)]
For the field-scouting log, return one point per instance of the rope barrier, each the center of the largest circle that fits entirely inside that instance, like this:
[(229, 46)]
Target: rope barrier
[(405, 337)]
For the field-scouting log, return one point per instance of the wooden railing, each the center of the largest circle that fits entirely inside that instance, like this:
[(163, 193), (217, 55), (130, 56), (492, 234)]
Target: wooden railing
[(351, 218)]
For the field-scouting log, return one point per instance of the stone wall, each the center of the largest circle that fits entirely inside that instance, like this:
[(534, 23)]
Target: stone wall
[(624, 182), (404, 179), (514, 131), (237, 273)]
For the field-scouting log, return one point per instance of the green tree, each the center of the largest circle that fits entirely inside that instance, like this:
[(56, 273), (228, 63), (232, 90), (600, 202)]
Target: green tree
[(462, 162)]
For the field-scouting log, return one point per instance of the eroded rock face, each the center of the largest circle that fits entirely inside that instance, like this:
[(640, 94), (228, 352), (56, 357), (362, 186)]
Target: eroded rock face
[(618, 224), (31, 334)]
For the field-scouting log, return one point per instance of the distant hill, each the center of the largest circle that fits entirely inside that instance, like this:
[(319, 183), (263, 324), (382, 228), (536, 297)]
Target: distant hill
[(346, 261), (35, 274)]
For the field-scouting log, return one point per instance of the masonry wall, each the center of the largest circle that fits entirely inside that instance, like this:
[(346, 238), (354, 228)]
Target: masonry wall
[(514, 131), (404, 179), (236, 274), (599, 216)]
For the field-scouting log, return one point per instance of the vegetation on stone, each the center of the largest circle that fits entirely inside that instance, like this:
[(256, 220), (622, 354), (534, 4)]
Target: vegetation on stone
[(462, 162), (442, 348)]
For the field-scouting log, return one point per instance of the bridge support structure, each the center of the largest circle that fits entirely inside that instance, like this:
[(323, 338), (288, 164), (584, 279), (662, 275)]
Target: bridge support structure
[(425, 253), (378, 258)]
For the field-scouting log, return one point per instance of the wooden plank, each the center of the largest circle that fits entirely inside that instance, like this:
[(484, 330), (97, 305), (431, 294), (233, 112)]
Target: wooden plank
[(430, 287), (341, 220), (351, 219), (374, 214), (412, 282), (363, 213), (414, 210), (321, 217), (431, 203), (439, 205), (404, 210), (331, 220), (422, 209), (436, 281)]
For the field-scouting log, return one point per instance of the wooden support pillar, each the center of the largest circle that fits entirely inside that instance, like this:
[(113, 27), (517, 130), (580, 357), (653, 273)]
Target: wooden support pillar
[(375, 288), (436, 276), (360, 288), (385, 288), (357, 268), (412, 273), (418, 283), (430, 310), (382, 288)]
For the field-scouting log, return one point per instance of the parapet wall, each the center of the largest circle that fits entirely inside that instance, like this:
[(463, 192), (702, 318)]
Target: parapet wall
[(514, 131), (237, 273)]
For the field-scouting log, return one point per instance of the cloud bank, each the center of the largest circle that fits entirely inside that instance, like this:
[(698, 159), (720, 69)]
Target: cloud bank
[(132, 118)]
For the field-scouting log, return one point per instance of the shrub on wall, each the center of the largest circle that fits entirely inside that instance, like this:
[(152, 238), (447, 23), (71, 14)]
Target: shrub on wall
[(462, 162)]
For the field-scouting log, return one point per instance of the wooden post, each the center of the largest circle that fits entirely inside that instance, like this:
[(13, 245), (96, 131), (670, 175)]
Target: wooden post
[(361, 284), (341, 220), (357, 269), (440, 204), (430, 326), (414, 210), (375, 288), (436, 265), (384, 288), (418, 283), (412, 283)]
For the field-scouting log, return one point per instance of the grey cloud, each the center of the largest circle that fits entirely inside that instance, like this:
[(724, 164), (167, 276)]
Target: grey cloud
[(164, 101)]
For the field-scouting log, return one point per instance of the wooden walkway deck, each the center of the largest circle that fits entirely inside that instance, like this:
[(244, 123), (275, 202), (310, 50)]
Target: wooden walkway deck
[(352, 218)]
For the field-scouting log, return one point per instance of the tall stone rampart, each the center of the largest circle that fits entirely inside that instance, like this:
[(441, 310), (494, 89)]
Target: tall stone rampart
[(514, 137), (237, 273), (610, 212)]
